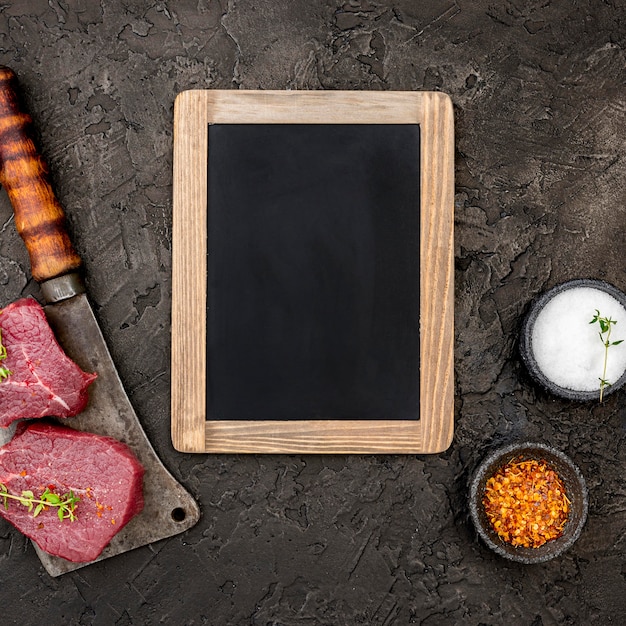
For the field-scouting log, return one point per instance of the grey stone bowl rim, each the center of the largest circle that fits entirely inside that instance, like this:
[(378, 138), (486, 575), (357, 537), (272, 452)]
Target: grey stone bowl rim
[(525, 342), (500, 456)]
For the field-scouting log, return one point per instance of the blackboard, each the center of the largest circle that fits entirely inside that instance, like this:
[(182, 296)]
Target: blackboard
[(313, 273), (304, 290)]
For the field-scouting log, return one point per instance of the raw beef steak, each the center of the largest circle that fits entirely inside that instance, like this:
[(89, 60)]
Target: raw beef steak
[(43, 380), (101, 471)]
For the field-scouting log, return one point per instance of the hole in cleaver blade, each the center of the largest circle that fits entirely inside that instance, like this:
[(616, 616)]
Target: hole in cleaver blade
[(168, 508)]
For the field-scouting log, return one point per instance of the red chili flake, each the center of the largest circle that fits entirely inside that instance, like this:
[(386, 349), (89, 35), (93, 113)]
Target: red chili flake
[(23, 473), (526, 503)]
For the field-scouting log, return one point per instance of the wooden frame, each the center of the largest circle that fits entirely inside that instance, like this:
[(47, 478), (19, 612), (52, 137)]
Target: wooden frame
[(194, 111)]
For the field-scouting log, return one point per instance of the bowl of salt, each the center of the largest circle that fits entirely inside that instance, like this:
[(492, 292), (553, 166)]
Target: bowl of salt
[(571, 339)]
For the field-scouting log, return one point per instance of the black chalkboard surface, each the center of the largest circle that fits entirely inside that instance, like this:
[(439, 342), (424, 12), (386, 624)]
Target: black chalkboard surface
[(313, 291), (312, 272)]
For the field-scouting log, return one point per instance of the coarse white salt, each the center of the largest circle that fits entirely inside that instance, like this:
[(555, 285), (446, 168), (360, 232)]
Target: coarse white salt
[(568, 349)]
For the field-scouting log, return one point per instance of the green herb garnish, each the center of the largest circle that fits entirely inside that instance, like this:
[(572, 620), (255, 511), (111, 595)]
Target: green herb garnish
[(66, 504), (606, 323), (4, 372)]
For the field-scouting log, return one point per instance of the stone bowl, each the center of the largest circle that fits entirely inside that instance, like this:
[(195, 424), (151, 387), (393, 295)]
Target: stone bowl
[(527, 351), (575, 488)]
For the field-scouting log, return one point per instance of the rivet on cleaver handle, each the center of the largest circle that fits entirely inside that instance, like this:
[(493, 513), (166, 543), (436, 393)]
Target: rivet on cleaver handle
[(168, 508), (39, 218)]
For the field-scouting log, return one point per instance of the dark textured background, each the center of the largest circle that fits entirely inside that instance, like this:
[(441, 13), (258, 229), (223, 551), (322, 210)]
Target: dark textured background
[(540, 109)]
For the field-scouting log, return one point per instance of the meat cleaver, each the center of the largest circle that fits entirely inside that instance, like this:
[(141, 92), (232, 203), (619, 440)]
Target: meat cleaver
[(169, 509)]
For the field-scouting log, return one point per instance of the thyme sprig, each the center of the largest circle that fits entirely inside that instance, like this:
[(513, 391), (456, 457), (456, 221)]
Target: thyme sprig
[(606, 324), (65, 504), (4, 372)]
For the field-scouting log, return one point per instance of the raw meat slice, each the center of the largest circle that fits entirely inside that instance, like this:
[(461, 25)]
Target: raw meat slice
[(43, 380), (101, 471)]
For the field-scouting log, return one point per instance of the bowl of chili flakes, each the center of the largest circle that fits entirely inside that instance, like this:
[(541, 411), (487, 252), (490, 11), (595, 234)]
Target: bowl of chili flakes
[(528, 502)]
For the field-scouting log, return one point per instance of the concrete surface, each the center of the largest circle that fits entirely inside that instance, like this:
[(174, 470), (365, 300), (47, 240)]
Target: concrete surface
[(540, 106)]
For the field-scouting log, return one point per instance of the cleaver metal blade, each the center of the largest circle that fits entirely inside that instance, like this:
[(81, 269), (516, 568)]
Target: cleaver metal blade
[(168, 508)]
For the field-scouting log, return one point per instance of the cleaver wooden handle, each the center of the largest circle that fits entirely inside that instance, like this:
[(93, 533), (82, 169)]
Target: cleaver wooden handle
[(39, 218)]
